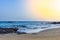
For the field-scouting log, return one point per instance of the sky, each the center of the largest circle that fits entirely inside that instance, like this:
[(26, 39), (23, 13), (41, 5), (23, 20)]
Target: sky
[(29, 10), (12, 10)]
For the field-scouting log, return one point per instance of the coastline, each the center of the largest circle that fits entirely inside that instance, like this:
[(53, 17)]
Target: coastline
[(50, 34)]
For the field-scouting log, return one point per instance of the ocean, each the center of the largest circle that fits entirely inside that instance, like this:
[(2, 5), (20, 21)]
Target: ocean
[(28, 26)]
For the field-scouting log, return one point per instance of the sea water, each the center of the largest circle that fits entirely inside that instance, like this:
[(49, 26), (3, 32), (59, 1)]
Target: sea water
[(30, 26)]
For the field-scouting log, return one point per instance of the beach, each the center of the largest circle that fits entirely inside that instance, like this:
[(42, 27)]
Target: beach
[(51, 34)]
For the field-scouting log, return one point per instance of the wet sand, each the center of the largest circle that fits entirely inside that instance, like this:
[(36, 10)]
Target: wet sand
[(51, 34)]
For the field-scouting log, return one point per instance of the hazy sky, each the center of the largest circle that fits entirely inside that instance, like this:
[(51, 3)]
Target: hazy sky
[(24, 10), (13, 10)]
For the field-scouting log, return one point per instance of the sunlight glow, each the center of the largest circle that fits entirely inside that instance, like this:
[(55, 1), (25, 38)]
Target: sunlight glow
[(45, 9)]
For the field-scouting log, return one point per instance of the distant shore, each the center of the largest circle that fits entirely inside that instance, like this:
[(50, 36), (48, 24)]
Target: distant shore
[(51, 34)]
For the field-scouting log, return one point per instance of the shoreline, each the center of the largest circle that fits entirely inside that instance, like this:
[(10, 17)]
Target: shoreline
[(50, 34)]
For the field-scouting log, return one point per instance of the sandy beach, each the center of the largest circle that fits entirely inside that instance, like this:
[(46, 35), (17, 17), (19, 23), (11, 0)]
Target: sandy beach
[(51, 34)]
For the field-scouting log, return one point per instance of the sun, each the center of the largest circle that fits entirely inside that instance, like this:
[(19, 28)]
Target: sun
[(45, 9)]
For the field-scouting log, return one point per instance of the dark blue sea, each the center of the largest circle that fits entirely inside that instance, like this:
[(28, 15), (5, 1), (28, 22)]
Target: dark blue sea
[(28, 26)]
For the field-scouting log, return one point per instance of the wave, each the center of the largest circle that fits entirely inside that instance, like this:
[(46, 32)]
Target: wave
[(28, 26), (37, 29)]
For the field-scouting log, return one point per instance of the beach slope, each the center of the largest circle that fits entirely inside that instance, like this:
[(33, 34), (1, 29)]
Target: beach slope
[(51, 34)]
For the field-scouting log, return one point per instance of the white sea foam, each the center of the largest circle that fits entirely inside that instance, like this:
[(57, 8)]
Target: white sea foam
[(38, 29)]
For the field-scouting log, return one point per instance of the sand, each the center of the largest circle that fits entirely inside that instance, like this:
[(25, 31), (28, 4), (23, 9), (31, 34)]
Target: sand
[(52, 34)]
